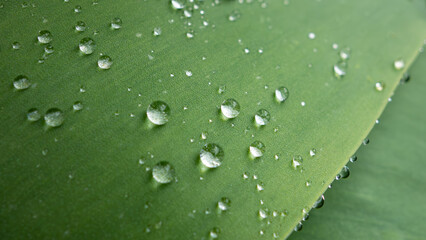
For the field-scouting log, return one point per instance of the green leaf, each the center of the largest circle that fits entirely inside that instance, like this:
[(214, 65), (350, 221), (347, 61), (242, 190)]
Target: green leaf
[(384, 197), (84, 179)]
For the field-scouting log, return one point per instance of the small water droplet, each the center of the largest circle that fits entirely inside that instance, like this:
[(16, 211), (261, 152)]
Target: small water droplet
[(48, 49), (221, 89), (259, 187), (44, 37), (308, 183), (158, 112), (45, 151), (262, 214), (80, 26), (366, 141), (54, 117), (379, 86), (77, 9), (312, 152), (214, 233), (87, 46), (257, 148), (190, 34), (340, 69), (281, 94), (105, 62), (311, 35), (345, 53), (234, 16), (156, 31), (33, 115), (405, 78), (21, 82), (399, 64), (116, 23), (188, 73), (16, 45), (163, 172), (344, 173), (224, 204), (297, 162), (298, 227), (245, 176), (77, 106), (319, 203), (178, 4), (230, 108), (262, 117), (353, 158), (335, 46)]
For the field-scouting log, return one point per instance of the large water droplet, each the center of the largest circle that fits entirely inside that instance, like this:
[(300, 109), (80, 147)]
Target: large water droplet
[(178, 4), (211, 155), (116, 23), (163, 172), (340, 69), (44, 37), (21, 82), (54, 117), (87, 45), (281, 94), (262, 117), (257, 148), (33, 115), (344, 173), (158, 112), (230, 108), (104, 62)]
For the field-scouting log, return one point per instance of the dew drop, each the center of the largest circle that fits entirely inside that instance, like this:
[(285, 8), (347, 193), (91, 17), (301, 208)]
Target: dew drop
[(158, 112), (234, 16), (214, 233), (77, 9), (230, 108), (297, 162), (345, 53), (366, 141), (156, 31), (340, 69), (257, 148), (298, 227), (319, 203), (163, 172), (33, 115), (379, 86), (262, 117), (262, 214), (54, 117), (77, 106), (281, 94), (178, 4), (80, 26), (224, 204), (399, 64), (211, 155), (259, 187), (312, 152), (44, 37), (344, 173), (353, 158), (21, 82), (48, 49), (104, 62), (87, 46), (16, 45), (116, 23), (311, 35)]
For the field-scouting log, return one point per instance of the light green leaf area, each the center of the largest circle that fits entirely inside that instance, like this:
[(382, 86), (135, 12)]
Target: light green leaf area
[(91, 178), (384, 197)]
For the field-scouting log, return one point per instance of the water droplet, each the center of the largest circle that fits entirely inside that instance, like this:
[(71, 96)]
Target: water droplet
[(87, 46), (156, 31), (257, 148), (224, 204), (312, 152), (104, 62), (246, 50), (33, 115), (366, 141), (262, 117), (187, 13), (281, 94), (116, 23), (230, 108), (214, 233), (319, 203), (54, 117), (221, 89), (405, 78), (245, 176), (399, 64), (158, 112), (353, 158), (234, 16), (297, 161), (21, 82), (44, 37), (298, 227), (77, 9), (48, 49), (80, 26), (178, 4), (211, 155), (77, 106), (163, 172), (190, 34), (188, 73), (344, 173), (311, 35), (335, 46), (262, 214), (340, 69), (308, 183), (16, 45), (345, 53), (259, 187), (379, 86)]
